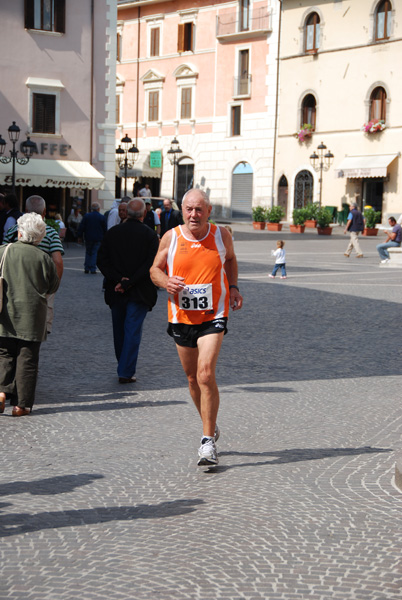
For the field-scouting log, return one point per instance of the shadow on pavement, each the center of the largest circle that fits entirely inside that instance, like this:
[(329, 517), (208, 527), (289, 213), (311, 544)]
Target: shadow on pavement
[(62, 484), (297, 455), (17, 524)]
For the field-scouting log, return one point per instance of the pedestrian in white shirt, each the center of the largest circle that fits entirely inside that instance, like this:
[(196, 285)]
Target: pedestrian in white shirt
[(280, 260)]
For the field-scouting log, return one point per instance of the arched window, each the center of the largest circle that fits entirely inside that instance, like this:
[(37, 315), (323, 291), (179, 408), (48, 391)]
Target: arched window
[(304, 185), (378, 104), (308, 112), (312, 33), (383, 20)]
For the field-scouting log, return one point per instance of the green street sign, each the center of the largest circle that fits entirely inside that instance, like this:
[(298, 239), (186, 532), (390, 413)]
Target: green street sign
[(155, 159)]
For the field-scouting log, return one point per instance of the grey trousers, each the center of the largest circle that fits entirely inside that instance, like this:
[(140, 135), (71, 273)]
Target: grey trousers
[(19, 361)]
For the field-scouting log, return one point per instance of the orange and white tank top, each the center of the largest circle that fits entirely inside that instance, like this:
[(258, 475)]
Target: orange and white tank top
[(201, 263)]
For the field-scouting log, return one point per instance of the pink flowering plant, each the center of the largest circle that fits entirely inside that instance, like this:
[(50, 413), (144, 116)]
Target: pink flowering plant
[(374, 126), (305, 132)]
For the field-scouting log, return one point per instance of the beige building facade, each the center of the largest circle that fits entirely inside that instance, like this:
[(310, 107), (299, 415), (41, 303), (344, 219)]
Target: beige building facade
[(340, 85)]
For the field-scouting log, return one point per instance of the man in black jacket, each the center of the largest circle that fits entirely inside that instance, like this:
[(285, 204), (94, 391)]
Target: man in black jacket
[(170, 218), (125, 257)]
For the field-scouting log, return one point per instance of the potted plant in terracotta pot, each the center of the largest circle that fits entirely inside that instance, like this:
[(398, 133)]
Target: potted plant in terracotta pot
[(274, 215), (259, 217), (299, 219), (311, 211), (371, 217), (324, 218)]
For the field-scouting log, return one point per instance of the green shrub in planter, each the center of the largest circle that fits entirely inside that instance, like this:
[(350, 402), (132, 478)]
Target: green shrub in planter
[(372, 217), (259, 214), (324, 217), (312, 209), (275, 214), (299, 216)]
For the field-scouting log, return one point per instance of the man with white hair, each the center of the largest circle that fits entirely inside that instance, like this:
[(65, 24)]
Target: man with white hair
[(50, 244), (125, 257), (197, 266)]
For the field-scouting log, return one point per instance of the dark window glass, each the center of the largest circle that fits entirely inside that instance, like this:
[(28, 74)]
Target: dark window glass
[(45, 15), (308, 111), (44, 113), (235, 120)]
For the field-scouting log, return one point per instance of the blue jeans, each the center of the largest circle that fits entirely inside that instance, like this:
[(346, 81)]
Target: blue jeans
[(127, 318), (382, 249), (283, 269), (91, 253)]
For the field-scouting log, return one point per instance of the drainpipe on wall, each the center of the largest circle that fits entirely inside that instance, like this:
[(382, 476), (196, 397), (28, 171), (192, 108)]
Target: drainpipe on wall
[(276, 102), (138, 75), (91, 118)]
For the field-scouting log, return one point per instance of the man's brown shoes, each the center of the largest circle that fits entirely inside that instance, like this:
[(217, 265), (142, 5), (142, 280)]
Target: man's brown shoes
[(20, 412)]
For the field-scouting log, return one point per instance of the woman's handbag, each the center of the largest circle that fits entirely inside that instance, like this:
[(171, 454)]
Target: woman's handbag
[(3, 258)]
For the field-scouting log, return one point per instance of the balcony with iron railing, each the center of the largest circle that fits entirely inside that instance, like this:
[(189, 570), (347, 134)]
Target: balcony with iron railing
[(229, 27), (242, 86)]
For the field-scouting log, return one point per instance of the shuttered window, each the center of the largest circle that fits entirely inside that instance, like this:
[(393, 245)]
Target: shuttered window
[(44, 113), (153, 106), (185, 112), (155, 36), (45, 15), (185, 37)]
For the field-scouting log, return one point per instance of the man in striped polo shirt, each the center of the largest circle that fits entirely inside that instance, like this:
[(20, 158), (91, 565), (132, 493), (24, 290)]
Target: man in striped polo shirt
[(50, 244)]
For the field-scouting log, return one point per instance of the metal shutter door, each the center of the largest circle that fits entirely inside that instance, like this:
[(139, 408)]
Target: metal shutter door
[(242, 195)]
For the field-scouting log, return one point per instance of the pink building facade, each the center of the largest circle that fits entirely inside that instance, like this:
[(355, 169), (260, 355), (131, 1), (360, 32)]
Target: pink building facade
[(203, 73), (58, 85)]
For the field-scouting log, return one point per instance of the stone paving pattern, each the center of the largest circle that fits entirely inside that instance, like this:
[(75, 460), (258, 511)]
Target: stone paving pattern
[(100, 494)]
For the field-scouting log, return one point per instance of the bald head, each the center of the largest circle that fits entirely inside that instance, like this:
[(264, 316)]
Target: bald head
[(136, 208), (195, 194)]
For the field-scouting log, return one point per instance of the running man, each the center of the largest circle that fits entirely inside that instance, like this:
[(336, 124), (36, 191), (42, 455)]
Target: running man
[(197, 266)]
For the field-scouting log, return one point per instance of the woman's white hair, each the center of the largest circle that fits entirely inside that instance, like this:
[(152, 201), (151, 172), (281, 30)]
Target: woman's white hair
[(31, 228)]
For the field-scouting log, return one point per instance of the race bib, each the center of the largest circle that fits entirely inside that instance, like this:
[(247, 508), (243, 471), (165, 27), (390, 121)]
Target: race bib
[(196, 297)]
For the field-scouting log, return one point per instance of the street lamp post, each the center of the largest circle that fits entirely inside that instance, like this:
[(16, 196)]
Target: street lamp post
[(325, 161), (122, 157), (173, 151), (27, 148)]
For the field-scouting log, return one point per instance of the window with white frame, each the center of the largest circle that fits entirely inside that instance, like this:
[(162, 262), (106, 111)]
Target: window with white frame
[(235, 120), (44, 105), (186, 78), (153, 105), (45, 15)]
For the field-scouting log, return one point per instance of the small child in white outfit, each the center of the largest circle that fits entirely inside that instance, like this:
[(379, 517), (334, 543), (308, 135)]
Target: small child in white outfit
[(280, 259)]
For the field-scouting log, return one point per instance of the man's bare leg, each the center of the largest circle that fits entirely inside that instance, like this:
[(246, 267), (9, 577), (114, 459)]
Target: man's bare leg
[(199, 364)]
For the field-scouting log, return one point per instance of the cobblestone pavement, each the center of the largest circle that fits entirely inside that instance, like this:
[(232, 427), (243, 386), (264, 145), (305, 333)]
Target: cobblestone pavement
[(100, 494)]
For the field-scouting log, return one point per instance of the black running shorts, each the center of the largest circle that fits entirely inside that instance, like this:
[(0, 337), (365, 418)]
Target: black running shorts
[(187, 335)]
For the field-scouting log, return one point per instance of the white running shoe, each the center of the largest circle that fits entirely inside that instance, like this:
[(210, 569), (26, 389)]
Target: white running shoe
[(271, 276), (208, 455), (217, 433), (386, 260)]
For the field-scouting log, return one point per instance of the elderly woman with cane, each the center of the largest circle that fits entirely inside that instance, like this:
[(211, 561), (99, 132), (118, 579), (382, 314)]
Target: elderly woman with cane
[(28, 274)]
